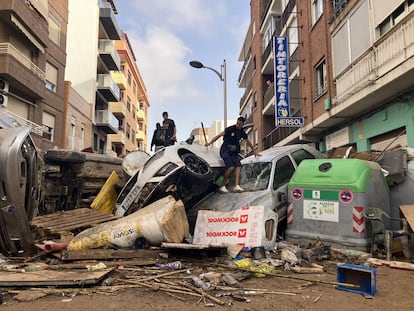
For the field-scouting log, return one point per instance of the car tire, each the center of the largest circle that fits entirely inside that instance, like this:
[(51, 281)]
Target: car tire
[(196, 169), (63, 156)]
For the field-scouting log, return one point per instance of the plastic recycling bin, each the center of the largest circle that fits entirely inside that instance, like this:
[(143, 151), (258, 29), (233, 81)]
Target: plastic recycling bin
[(327, 198)]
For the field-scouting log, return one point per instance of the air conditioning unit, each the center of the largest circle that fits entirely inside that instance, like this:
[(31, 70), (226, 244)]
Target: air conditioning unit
[(4, 86), (3, 100)]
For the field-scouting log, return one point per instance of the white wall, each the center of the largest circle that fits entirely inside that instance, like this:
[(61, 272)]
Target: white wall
[(82, 47)]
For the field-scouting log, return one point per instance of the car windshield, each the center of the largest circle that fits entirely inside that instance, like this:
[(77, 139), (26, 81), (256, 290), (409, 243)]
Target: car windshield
[(255, 176)]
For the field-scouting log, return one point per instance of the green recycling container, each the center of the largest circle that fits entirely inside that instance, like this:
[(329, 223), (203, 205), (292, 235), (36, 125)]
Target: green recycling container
[(327, 198)]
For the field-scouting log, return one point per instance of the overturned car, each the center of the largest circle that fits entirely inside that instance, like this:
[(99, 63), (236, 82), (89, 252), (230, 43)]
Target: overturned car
[(186, 171)]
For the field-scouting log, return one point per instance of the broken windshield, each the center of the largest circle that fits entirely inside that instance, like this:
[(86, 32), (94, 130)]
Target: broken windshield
[(255, 176)]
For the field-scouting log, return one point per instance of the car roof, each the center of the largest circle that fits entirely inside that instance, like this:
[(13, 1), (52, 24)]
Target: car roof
[(270, 154)]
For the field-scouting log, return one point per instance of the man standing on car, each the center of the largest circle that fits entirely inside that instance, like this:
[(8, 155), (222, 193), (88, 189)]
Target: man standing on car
[(170, 130), (229, 151)]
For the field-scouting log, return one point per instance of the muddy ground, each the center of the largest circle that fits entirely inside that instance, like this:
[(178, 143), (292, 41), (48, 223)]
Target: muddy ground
[(395, 291)]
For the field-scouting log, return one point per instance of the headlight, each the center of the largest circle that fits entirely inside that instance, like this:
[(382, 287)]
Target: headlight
[(166, 169)]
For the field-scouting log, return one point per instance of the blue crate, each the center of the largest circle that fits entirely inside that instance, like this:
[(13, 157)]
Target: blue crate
[(364, 277)]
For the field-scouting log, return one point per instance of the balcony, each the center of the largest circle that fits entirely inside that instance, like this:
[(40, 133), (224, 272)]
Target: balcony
[(384, 71), (247, 70), (109, 55), (279, 133), (108, 21), (33, 25), (107, 87), (118, 138), (120, 79), (140, 136), (10, 119), (118, 109), (269, 100), (106, 121), (140, 115), (25, 75)]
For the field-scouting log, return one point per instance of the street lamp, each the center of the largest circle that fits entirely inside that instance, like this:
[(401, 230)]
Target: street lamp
[(222, 76)]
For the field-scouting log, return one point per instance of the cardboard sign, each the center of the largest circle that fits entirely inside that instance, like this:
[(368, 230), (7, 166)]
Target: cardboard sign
[(244, 226)]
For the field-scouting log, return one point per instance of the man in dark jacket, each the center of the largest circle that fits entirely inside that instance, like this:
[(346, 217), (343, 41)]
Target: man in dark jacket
[(229, 151), (170, 130), (157, 138)]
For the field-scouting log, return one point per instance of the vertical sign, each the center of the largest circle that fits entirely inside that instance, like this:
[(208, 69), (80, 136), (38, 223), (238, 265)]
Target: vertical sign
[(282, 107)]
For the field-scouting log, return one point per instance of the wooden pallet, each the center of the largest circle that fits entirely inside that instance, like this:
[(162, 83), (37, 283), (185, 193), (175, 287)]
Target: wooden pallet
[(66, 221)]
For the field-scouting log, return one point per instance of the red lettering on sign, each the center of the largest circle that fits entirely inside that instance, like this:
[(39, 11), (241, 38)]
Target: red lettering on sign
[(244, 219)]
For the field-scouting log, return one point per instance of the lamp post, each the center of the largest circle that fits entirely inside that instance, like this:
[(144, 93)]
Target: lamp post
[(222, 77)]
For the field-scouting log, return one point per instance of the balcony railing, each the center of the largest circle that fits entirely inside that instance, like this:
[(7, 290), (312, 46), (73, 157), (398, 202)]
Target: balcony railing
[(109, 54), (140, 115), (10, 119), (107, 87), (279, 133), (106, 117), (7, 48), (140, 136), (388, 53)]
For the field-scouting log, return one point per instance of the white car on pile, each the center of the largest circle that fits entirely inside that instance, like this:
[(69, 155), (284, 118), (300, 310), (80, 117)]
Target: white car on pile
[(265, 179), (187, 171)]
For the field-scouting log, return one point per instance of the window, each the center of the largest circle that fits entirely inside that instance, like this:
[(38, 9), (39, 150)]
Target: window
[(134, 87), (72, 133), (128, 131), (54, 29), (300, 155), (293, 36), (128, 104), (129, 77), (283, 173), (317, 10), (82, 142), (395, 17), (51, 77), (320, 79), (48, 123), (134, 109), (133, 136)]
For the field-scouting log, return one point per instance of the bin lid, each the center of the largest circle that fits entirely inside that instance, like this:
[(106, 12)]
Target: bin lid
[(352, 174)]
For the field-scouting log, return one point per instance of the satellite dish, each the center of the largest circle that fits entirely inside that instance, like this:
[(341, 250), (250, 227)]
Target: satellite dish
[(134, 161)]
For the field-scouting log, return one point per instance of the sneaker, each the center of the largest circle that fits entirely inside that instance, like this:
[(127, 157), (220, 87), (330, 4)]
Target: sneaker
[(223, 189), (238, 189)]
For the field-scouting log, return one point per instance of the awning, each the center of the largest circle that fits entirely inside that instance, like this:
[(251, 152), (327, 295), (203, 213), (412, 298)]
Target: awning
[(27, 33)]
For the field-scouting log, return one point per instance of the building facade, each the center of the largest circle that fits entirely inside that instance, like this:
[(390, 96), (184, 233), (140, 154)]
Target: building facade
[(32, 62), (92, 27), (350, 63), (132, 108)]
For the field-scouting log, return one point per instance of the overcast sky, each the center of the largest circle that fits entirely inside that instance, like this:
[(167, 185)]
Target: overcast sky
[(166, 35)]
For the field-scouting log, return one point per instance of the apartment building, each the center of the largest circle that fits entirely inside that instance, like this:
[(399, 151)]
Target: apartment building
[(91, 56), (32, 62), (349, 72), (132, 108), (372, 106)]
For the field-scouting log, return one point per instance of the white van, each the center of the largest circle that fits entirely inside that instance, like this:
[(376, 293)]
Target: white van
[(265, 179)]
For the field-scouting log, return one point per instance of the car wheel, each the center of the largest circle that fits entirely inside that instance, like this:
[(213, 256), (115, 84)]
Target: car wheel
[(196, 166)]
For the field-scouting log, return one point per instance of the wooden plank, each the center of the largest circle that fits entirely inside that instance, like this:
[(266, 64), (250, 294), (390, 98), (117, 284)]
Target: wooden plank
[(408, 212), (102, 254), (70, 220), (191, 246), (52, 278)]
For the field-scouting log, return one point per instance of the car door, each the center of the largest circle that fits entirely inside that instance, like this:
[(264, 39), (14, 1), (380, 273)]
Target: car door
[(284, 169), (19, 191)]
